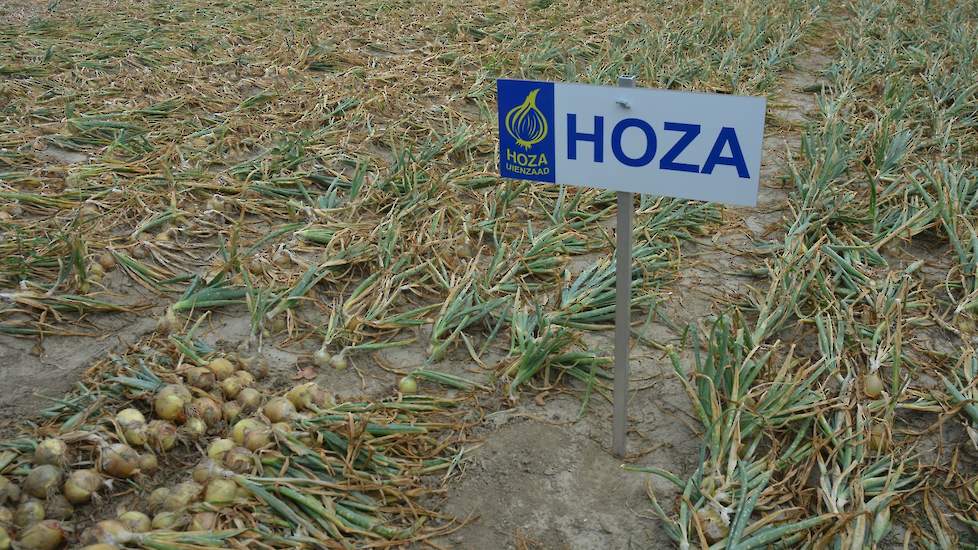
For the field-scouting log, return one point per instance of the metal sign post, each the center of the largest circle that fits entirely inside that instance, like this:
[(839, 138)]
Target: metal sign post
[(623, 310)]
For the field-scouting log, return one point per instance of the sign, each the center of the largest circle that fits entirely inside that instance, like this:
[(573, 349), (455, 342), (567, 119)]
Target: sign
[(679, 144)]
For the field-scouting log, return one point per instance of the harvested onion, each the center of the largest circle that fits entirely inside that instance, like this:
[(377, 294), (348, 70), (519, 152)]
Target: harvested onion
[(133, 425), (51, 451), (230, 411), (220, 491), (157, 498), (148, 463), (338, 362), (203, 521), (135, 521), (231, 386), (239, 460), (58, 507), (249, 399), (28, 512), (218, 448), (321, 358), (239, 429), (182, 496), (9, 492), (167, 520), (161, 435), (194, 428), (45, 535), (279, 409), (872, 385), (245, 378), (208, 410), (120, 460), (4, 539), (42, 481), (199, 377), (408, 385), (221, 367), (81, 485)]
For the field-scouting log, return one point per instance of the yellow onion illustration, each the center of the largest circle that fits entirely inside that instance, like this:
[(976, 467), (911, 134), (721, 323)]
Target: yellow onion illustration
[(526, 123)]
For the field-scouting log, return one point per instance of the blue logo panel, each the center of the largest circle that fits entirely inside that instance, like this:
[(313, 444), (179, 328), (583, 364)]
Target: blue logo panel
[(527, 148)]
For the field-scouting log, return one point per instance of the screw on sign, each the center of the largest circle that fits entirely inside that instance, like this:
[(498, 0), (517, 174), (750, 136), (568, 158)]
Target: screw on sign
[(686, 145)]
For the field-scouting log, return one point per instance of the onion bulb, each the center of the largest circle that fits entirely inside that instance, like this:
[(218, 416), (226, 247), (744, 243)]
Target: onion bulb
[(4, 539), (110, 531), (120, 460), (872, 385), (257, 438), (218, 448), (258, 368), (203, 521), (230, 411), (6, 516), (408, 385), (9, 491), (182, 496), (81, 485), (148, 463), (46, 535), (207, 410), (321, 358), (279, 409), (161, 435), (135, 521), (220, 491), (42, 481), (231, 386), (199, 377), (100, 546), (157, 498), (221, 367), (167, 520), (28, 512), (133, 425), (877, 437), (338, 361), (245, 378), (106, 260), (169, 405), (249, 399), (309, 396), (239, 460), (239, 429), (51, 451), (58, 507), (194, 428)]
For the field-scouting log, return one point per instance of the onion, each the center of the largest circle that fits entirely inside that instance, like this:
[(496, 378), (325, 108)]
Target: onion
[(283, 427), (182, 496), (309, 396), (321, 358), (95, 272), (218, 448), (81, 485), (338, 361), (239, 460), (58, 507), (220, 491), (872, 385), (106, 260), (161, 435), (46, 535), (281, 259), (137, 522), (877, 437), (239, 429), (170, 402), (120, 460), (100, 546), (249, 399), (51, 451), (28, 512), (279, 409), (194, 428), (148, 463), (42, 481), (9, 492), (245, 378), (4, 539), (231, 386), (221, 367), (110, 531), (157, 498), (257, 438), (167, 520), (6, 516), (408, 385), (199, 377), (203, 521), (208, 410), (133, 425), (230, 411)]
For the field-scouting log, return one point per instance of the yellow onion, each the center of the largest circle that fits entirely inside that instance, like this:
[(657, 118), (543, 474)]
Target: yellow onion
[(309, 397), (231, 386), (148, 463), (4, 539), (258, 368), (9, 491), (110, 531), (133, 425), (46, 535), (218, 448), (81, 485), (199, 377), (58, 507), (338, 361), (283, 427), (120, 460), (872, 385), (408, 385), (239, 460), (171, 401), (161, 435), (157, 498), (321, 358), (230, 411), (100, 546), (42, 481), (205, 471), (106, 260), (257, 438), (249, 399), (220, 491), (207, 409), (6, 516), (194, 427), (245, 378), (51, 451), (238, 431), (877, 437), (135, 521), (203, 521), (279, 409), (182, 496), (221, 367), (168, 520), (28, 512)]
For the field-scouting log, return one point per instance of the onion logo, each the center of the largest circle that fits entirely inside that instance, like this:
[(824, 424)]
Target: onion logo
[(525, 123)]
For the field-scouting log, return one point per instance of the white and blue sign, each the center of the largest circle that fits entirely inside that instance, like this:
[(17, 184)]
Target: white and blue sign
[(678, 144)]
